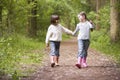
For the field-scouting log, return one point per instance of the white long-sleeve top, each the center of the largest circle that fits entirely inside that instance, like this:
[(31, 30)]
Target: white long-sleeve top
[(84, 30), (54, 33)]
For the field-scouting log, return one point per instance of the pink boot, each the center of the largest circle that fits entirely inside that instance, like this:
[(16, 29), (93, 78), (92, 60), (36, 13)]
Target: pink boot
[(84, 64), (79, 60), (78, 65)]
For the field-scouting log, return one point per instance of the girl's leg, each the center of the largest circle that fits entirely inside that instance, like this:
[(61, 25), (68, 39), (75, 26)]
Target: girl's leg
[(57, 53), (79, 60), (56, 60), (86, 46), (80, 53), (80, 48), (52, 53), (84, 63), (52, 59)]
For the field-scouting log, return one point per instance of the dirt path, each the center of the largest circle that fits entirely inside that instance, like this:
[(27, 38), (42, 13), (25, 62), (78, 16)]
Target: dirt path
[(100, 67)]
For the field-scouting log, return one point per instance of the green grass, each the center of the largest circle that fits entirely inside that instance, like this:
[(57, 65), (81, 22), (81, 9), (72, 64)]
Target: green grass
[(20, 55), (17, 52), (100, 41)]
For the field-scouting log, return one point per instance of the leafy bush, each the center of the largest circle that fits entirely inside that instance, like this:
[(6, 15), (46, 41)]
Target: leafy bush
[(101, 42), (17, 51), (103, 17), (100, 39)]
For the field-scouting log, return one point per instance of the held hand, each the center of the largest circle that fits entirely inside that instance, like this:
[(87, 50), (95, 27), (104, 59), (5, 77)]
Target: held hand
[(47, 47), (47, 44), (73, 34)]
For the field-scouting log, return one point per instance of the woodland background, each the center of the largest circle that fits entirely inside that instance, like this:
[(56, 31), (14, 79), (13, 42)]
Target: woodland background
[(23, 26)]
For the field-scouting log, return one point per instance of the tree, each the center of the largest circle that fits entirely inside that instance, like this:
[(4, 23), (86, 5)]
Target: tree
[(1, 8), (96, 5), (115, 20), (32, 19), (99, 5), (0, 20), (10, 16), (7, 17), (0, 14)]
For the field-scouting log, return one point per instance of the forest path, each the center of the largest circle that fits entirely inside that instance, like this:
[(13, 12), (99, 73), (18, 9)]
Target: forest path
[(100, 66)]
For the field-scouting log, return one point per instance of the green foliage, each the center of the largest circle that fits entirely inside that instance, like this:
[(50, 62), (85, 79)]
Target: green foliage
[(17, 51), (15, 76), (15, 14), (99, 39), (103, 17), (41, 35), (101, 42), (92, 16), (5, 55)]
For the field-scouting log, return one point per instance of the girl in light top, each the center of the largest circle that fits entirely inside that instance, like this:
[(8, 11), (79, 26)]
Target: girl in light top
[(83, 27), (54, 37)]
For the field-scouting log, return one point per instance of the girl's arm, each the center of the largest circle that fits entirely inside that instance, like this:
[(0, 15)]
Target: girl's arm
[(76, 30), (66, 30), (92, 26), (49, 33)]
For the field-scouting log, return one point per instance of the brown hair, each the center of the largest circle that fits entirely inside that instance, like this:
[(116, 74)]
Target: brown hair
[(83, 14), (54, 18)]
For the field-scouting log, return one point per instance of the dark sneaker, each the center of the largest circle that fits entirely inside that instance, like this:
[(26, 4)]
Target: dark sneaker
[(57, 65), (52, 64), (78, 66)]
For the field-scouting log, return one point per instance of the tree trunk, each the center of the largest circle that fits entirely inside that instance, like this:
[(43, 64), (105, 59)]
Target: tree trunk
[(95, 5), (97, 17), (32, 20), (10, 18), (115, 20), (98, 3), (1, 21), (92, 4), (0, 14)]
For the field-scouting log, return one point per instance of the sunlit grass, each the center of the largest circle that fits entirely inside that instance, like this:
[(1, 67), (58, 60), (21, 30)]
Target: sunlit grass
[(19, 51), (21, 55), (101, 42)]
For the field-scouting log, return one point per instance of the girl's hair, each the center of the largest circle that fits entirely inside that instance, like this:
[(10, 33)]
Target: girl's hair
[(54, 18), (83, 14)]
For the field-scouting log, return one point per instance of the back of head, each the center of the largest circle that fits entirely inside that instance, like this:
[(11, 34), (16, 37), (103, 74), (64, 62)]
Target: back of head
[(54, 19)]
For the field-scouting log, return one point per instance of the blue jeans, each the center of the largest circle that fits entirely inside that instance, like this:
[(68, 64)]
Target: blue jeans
[(83, 47), (54, 46)]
